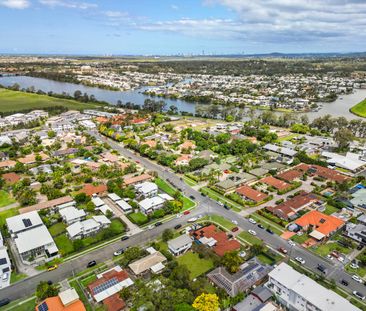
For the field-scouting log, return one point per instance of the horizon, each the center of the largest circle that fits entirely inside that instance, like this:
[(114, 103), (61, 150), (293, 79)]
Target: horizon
[(171, 28)]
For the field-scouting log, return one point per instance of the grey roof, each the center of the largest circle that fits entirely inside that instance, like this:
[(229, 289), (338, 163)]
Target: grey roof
[(180, 241), (33, 238), (281, 150), (263, 293), (23, 222), (259, 171), (273, 166)]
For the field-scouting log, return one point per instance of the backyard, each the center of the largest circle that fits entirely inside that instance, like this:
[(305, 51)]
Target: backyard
[(195, 265), (325, 249), (5, 199)]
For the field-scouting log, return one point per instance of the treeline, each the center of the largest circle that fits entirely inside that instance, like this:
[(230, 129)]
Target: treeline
[(56, 76), (52, 111)]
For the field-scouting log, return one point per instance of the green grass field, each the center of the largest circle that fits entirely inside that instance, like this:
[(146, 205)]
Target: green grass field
[(138, 218), (17, 101), (5, 198), (57, 229), (195, 265), (359, 109), (6, 214), (251, 239)]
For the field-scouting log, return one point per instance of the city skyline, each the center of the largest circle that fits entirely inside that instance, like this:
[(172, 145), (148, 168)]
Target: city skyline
[(171, 27)]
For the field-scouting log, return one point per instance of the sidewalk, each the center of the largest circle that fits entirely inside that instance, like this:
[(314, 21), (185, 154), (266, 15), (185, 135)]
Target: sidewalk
[(10, 206)]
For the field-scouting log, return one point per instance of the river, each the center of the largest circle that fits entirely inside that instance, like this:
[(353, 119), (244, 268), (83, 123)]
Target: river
[(340, 107)]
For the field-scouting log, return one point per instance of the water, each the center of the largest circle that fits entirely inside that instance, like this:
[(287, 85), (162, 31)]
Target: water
[(340, 107)]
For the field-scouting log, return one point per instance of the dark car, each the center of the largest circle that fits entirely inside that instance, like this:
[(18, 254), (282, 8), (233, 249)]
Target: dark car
[(359, 247), (269, 231), (226, 207), (192, 197), (159, 223), (91, 264), (4, 302), (322, 269), (229, 236), (49, 282), (124, 238), (234, 229), (344, 282), (260, 226), (203, 194), (177, 227)]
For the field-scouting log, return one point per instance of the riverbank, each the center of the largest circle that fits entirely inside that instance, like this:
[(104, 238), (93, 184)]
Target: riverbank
[(13, 101), (359, 109)]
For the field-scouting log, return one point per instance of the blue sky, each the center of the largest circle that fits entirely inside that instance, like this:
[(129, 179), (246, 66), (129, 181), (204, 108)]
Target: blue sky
[(147, 27)]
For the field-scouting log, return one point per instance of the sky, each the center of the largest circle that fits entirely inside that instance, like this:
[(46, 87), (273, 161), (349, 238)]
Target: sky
[(171, 27)]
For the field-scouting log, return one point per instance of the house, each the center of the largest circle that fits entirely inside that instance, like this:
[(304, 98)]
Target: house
[(11, 178), (147, 189), (107, 286), (275, 183), (7, 164), (67, 300), (351, 161), (32, 158), (90, 189), (71, 214), (359, 198), (137, 179), (259, 172), (82, 229), (356, 232), (281, 154), (250, 194), (55, 204), (251, 273), (180, 244), (149, 205), (296, 291), (207, 155), (31, 238), (124, 206), (256, 301), (323, 225), (183, 160), (323, 172), (290, 208), (187, 145), (154, 262), (290, 175)]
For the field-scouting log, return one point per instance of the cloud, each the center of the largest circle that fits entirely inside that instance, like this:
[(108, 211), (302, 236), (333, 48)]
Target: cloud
[(16, 4), (68, 4), (174, 7)]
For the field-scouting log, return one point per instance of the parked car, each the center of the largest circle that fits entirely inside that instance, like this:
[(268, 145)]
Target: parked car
[(220, 203), (359, 247), (226, 207), (193, 219), (4, 302), (119, 252), (300, 260), (125, 237), (344, 282), (230, 236), (283, 250), (91, 264), (186, 212), (192, 197), (234, 229), (322, 269), (260, 226), (292, 243), (203, 194), (53, 267), (357, 278), (178, 227), (159, 223), (252, 232), (234, 222), (252, 221), (354, 265), (269, 231), (358, 295)]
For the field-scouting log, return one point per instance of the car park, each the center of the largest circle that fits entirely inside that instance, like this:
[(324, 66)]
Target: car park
[(91, 264), (252, 221), (300, 260), (252, 232)]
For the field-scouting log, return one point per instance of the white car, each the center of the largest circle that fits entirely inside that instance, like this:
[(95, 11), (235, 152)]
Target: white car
[(358, 295), (220, 203), (234, 222), (119, 252), (300, 260), (354, 265), (292, 243), (357, 278), (329, 256), (252, 232), (242, 254), (193, 219), (252, 221), (341, 259), (151, 227), (179, 215)]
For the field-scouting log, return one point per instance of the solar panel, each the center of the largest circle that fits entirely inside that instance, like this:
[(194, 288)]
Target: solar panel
[(3, 261), (27, 222), (43, 307), (102, 287)]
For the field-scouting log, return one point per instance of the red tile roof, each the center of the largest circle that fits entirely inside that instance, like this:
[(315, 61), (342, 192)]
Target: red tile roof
[(11, 178), (290, 175), (228, 246), (323, 172), (55, 304), (276, 183), (136, 179), (114, 303), (90, 189), (251, 193)]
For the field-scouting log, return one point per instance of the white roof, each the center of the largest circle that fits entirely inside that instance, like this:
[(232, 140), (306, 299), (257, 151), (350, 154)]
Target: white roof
[(70, 213), (68, 296), (310, 290), (350, 161), (146, 187), (281, 150), (81, 226), (61, 206), (146, 263), (101, 219), (157, 268), (149, 203), (166, 196), (97, 201), (33, 238), (104, 208), (114, 197), (20, 222), (317, 235), (180, 241), (124, 205)]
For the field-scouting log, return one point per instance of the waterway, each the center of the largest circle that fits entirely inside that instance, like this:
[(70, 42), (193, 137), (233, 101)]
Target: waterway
[(340, 107)]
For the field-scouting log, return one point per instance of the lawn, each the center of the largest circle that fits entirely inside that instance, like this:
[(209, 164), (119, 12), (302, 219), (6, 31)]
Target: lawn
[(81, 294), (195, 265), (6, 214), (359, 109), (189, 181), (329, 210), (57, 229), (227, 224), (325, 249), (267, 223), (220, 198), (251, 239), (138, 218), (89, 279), (5, 199), (164, 186), (18, 101), (64, 244), (187, 203), (15, 277), (300, 238), (29, 305)]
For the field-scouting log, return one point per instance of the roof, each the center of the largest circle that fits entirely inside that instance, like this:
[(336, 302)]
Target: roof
[(144, 264), (48, 204), (136, 179), (282, 150), (114, 197), (114, 303), (350, 161), (31, 158), (11, 178), (258, 171), (322, 171), (7, 163), (80, 226), (23, 222), (90, 189), (146, 187), (149, 203), (68, 296), (251, 193), (33, 238), (323, 223), (70, 213), (290, 175), (55, 304), (180, 241), (274, 182), (317, 295), (124, 205)]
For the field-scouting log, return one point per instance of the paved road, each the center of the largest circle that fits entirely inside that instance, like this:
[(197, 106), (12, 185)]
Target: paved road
[(206, 206)]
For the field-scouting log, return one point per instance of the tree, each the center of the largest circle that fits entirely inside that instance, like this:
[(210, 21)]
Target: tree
[(256, 249), (183, 307), (51, 134), (232, 261), (343, 137), (206, 302), (45, 290), (81, 198), (167, 235)]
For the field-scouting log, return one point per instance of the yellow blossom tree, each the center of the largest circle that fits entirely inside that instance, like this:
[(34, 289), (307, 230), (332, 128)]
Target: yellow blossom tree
[(206, 302)]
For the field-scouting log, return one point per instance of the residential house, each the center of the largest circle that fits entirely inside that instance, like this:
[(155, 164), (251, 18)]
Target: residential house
[(85, 228), (71, 214), (250, 194), (147, 189), (183, 160), (67, 300), (5, 266), (257, 300), (137, 179), (187, 145), (356, 232), (90, 189), (207, 155), (153, 262), (55, 204), (11, 178), (180, 244), (278, 184), (7, 164)]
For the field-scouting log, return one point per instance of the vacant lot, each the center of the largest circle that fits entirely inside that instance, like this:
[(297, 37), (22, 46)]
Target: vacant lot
[(17, 101), (195, 265)]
